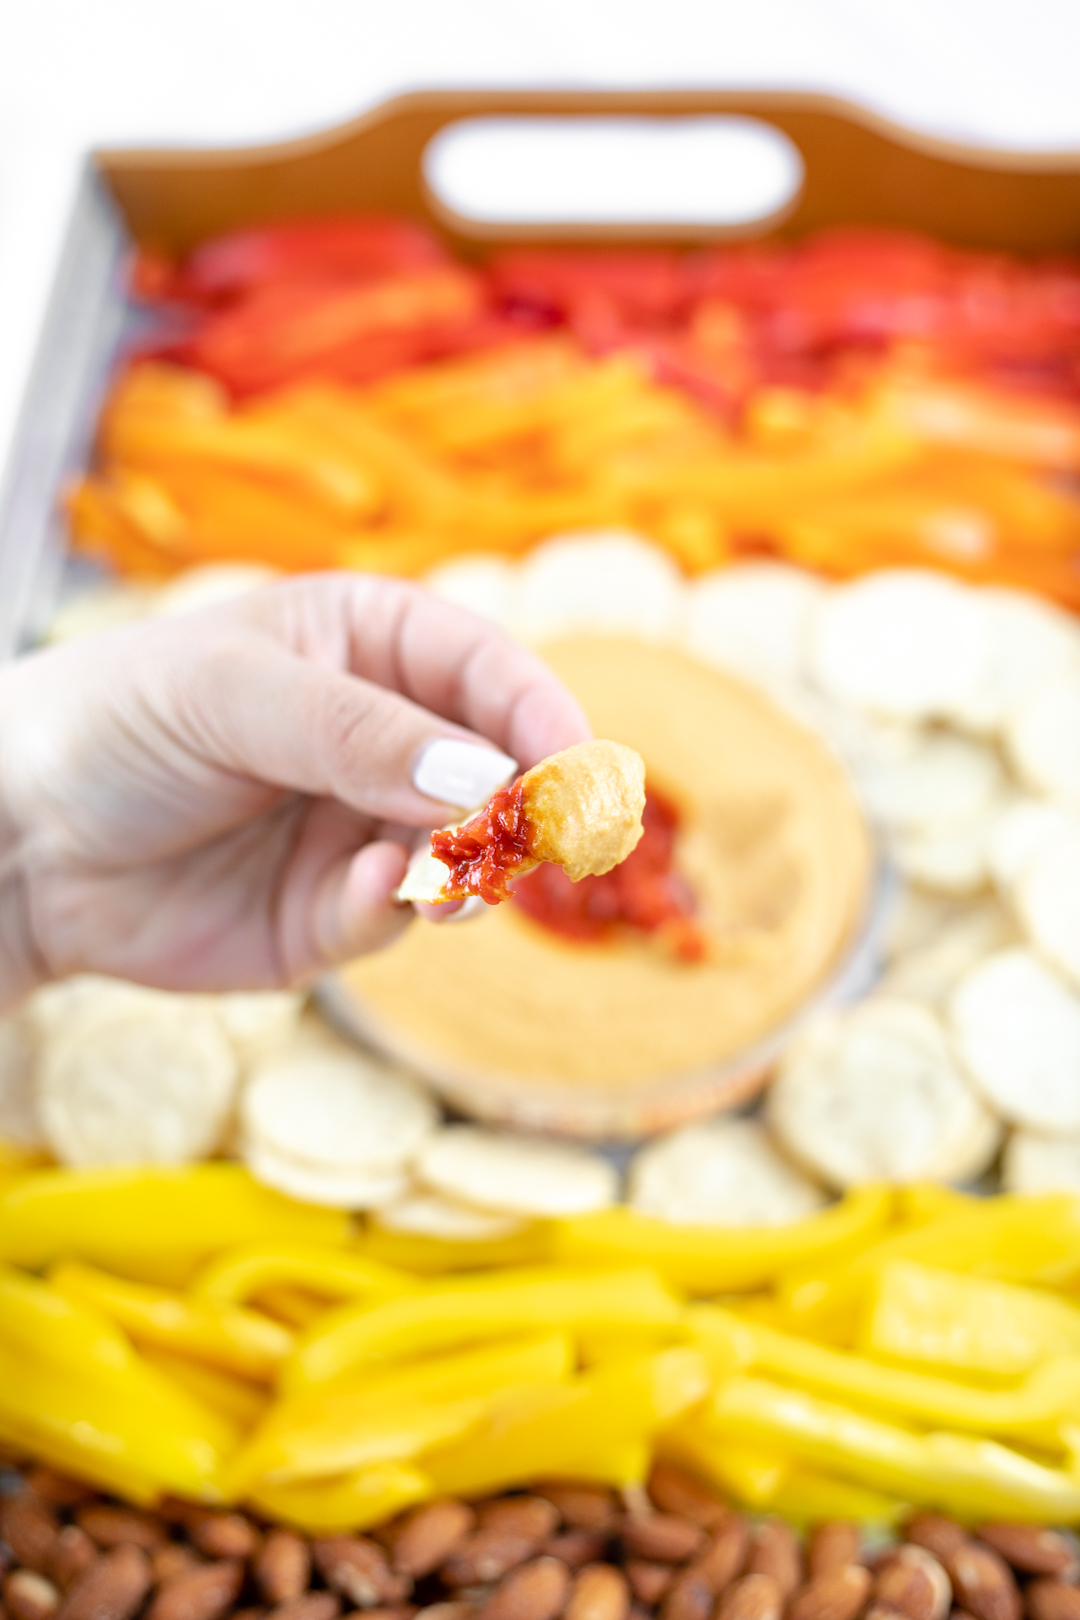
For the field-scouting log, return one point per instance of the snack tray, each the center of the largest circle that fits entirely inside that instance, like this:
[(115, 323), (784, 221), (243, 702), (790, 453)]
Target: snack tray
[(857, 169)]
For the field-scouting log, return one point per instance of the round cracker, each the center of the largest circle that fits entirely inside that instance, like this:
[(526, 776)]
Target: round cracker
[(334, 1108), (260, 1022), (428, 1214), (144, 1082), (357, 1189), (931, 971), (952, 859), (1047, 898), (20, 1117), (937, 782), (211, 584), (721, 1172), (486, 586), (905, 643), (58, 1008), (753, 619), (1016, 1025), (1034, 1163), (1023, 830), (915, 919), (875, 1094), (1032, 641), (1042, 738), (515, 1175), (612, 582)]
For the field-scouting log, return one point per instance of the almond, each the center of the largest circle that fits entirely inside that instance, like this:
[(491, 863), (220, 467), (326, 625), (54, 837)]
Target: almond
[(59, 1489), (689, 1597), (30, 1528), (939, 1535), (753, 1597), (832, 1546), (29, 1596), (445, 1611), (223, 1535), (312, 1606), (255, 1612), (575, 1548), (836, 1596), (536, 1591), (599, 1592), (723, 1558), (1034, 1550), (282, 1566), (428, 1536), (1051, 1599), (673, 1491), (174, 1559), (913, 1581), (662, 1536), (486, 1556), (775, 1551), (113, 1587), (109, 1526), (357, 1569), (582, 1507), (203, 1593), (983, 1582), (648, 1581), (530, 1517), (73, 1554)]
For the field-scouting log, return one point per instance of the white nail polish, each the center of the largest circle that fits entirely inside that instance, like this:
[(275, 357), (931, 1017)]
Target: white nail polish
[(461, 773)]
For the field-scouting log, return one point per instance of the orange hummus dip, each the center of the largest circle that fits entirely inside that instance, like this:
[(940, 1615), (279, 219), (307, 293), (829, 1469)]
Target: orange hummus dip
[(773, 844)]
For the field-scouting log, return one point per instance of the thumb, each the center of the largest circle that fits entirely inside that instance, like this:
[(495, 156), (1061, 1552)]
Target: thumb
[(289, 721)]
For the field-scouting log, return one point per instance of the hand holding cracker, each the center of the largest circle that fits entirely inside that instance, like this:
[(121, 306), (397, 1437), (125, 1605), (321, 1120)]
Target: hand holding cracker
[(580, 809)]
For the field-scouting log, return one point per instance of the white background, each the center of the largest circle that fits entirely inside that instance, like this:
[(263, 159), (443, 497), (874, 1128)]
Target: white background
[(75, 73)]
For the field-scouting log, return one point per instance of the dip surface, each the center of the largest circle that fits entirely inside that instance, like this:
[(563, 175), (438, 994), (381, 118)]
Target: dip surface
[(771, 841)]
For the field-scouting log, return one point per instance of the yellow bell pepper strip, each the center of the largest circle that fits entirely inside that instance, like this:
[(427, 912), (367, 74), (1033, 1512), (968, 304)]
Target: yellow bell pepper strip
[(471, 1309), (241, 1403), (69, 1376), (229, 1336), (354, 1502), (153, 1223), (1023, 1239), (807, 1497), (240, 1273), (972, 1478), (294, 1307), (1028, 1413), (594, 1427), (393, 1414), (713, 1260), (970, 1324), (434, 1257), (750, 1474)]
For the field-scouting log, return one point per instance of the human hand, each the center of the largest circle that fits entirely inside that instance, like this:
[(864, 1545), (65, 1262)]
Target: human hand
[(225, 800)]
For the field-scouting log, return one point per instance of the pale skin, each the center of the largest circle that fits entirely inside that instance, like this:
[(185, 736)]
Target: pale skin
[(225, 800)]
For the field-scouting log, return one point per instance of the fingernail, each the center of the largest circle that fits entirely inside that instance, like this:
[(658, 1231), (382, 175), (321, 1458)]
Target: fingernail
[(461, 773), (472, 907)]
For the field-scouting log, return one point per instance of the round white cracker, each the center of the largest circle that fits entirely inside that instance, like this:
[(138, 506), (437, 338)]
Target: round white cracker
[(1034, 1163), (1017, 1029), (211, 584), (1023, 830), (753, 618), (1031, 641), (937, 782), (59, 1008), (611, 581), (357, 1189), (486, 586), (334, 1109), (1047, 899), (875, 1094), (515, 1175), (952, 859), (906, 643), (429, 1214), (915, 920), (721, 1172), (20, 1117), (259, 1022), (930, 971), (146, 1082), (1042, 738)]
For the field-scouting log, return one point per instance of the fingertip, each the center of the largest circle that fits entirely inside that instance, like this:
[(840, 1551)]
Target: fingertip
[(548, 719), (359, 912)]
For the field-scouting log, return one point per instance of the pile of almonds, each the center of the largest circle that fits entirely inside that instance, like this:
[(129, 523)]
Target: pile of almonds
[(563, 1551)]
